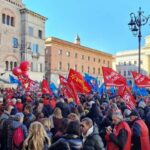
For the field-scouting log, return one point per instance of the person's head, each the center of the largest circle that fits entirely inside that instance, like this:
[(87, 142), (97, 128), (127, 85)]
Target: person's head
[(46, 123), (72, 117), (28, 109), (85, 125), (74, 128), (19, 117), (9, 109), (117, 117), (134, 115), (64, 125), (57, 113), (37, 136), (13, 101)]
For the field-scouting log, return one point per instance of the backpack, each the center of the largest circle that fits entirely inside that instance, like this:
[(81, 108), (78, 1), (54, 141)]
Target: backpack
[(18, 137)]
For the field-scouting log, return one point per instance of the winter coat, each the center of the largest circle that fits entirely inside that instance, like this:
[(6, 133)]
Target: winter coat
[(74, 141), (93, 141), (28, 119), (13, 126)]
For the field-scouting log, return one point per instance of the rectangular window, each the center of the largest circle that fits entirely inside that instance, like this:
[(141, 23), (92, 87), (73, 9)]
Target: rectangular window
[(88, 58), (129, 73), (60, 66), (82, 56), (30, 30), (59, 52), (125, 73), (40, 67), (35, 48), (76, 55), (68, 54), (94, 59), (15, 42), (8, 20), (75, 67), (68, 66), (88, 69), (31, 66), (82, 68), (40, 34)]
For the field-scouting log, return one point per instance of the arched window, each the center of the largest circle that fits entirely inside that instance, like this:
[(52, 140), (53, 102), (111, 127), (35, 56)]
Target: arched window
[(11, 65), (7, 65), (8, 20), (68, 66), (12, 21), (15, 64)]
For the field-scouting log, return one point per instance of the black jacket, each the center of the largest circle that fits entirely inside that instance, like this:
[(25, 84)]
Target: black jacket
[(93, 141), (72, 142)]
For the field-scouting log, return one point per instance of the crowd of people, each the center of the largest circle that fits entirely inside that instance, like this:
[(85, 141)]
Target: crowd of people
[(36, 121)]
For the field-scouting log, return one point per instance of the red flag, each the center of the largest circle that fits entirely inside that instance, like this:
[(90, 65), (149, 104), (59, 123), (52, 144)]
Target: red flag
[(112, 78), (141, 80), (45, 88), (69, 89), (126, 95), (81, 85)]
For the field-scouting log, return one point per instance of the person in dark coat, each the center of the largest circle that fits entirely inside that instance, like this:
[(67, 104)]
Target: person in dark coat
[(29, 116), (71, 137), (91, 139), (140, 133)]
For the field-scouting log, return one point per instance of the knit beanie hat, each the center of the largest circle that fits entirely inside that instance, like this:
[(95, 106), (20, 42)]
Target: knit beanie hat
[(118, 114)]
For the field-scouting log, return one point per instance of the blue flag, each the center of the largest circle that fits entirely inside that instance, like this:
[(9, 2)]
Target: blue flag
[(102, 89), (140, 91), (54, 89), (92, 81), (12, 79)]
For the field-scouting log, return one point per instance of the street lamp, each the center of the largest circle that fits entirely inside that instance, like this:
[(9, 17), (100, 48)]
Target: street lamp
[(135, 25)]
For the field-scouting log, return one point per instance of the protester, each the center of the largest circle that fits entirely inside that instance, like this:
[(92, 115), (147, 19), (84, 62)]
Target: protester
[(37, 138), (72, 137), (140, 133), (119, 137), (91, 139)]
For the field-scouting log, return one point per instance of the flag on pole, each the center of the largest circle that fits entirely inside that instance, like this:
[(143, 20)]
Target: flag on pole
[(12, 79), (140, 79), (112, 78), (92, 81), (81, 85)]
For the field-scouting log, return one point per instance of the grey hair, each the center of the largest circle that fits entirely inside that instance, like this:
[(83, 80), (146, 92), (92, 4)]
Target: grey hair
[(88, 121)]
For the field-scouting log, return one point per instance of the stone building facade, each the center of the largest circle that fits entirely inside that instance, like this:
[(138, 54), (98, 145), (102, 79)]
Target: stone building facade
[(22, 37)]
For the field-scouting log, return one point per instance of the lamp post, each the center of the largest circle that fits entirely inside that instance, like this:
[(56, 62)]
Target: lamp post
[(135, 25)]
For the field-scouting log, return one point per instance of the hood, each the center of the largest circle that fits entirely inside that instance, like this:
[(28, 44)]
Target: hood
[(15, 124)]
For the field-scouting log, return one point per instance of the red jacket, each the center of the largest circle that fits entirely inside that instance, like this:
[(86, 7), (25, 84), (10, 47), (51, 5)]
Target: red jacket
[(19, 106), (144, 137), (117, 128)]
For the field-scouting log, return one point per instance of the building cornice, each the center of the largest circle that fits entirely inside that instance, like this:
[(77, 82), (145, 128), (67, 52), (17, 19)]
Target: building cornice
[(25, 10), (54, 40)]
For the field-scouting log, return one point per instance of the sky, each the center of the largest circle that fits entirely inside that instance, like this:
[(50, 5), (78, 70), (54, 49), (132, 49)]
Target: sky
[(101, 24)]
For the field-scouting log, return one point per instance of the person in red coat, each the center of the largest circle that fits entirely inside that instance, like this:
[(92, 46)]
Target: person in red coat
[(140, 133), (120, 137)]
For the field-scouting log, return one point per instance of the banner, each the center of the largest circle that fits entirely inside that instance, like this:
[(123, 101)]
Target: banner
[(45, 88), (112, 78), (141, 80), (81, 85), (126, 95)]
